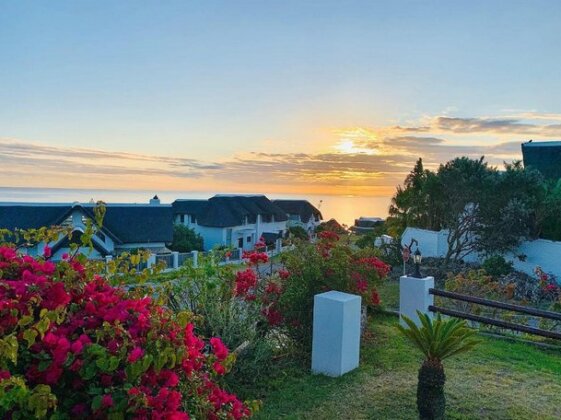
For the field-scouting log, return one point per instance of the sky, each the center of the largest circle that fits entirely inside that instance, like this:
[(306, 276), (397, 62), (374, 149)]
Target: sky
[(291, 97)]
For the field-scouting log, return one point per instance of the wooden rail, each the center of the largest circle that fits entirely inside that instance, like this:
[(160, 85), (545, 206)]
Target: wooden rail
[(496, 304), (496, 322)]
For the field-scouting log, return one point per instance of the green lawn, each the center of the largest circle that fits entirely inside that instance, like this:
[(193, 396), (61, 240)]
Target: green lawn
[(498, 380)]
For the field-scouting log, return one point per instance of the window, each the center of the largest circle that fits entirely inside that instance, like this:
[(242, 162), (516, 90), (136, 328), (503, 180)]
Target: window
[(182, 218), (248, 239), (240, 242), (100, 235)]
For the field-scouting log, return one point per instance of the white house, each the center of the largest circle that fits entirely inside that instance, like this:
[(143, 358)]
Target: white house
[(232, 220), (125, 226), (300, 213)]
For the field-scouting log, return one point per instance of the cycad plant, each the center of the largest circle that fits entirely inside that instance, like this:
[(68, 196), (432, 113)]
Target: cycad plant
[(438, 340)]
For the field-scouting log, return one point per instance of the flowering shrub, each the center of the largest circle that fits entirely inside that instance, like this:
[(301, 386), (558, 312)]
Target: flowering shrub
[(315, 268), (73, 345)]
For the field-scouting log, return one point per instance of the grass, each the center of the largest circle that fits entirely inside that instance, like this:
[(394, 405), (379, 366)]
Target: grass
[(497, 380)]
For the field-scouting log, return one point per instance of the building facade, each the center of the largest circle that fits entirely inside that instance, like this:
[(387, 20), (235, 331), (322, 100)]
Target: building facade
[(236, 221), (125, 227)]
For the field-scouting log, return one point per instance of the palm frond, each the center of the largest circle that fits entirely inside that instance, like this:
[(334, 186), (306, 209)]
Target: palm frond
[(439, 339)]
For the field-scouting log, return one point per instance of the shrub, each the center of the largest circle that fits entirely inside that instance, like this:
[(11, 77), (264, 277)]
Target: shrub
[(476, 283), (497, 266), (298, 232), (230, 303), (320, 267), (73, 345), (185, 239)]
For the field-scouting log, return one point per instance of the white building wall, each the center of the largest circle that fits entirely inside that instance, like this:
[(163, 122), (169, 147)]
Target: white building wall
[(540, 252)]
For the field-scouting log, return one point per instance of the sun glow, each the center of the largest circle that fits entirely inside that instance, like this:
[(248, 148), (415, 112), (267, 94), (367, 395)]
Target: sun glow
[(348, 146)]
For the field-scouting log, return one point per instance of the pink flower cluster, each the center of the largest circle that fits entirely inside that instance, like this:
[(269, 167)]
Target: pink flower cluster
[(99, 347)]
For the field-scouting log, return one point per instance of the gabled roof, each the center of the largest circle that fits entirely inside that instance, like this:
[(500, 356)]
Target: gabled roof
[(301, 207), (227, 211), (125, 223)]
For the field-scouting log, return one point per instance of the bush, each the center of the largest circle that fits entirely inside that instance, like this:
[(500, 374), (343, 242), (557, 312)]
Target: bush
[(298, 232), (185, 239), (71, 345), (497, 266), (231, 305), (320, 267)]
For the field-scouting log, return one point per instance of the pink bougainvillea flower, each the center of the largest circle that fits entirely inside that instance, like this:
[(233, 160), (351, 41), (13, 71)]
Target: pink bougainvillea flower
[(107, 401), (218, 368), (47, 251), (218, 348), (135, 354)]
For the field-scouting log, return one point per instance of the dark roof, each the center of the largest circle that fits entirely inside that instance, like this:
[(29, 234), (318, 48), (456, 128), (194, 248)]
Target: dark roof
[(125, 223), (300, 207), (225, 211), (545, 156), (194, 207), (30, 216), (143, 223)]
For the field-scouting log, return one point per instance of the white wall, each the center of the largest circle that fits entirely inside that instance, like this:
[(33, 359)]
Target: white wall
[(540, 252)]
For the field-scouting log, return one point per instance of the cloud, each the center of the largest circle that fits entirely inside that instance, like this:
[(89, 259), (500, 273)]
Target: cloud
[(520, 125), (365, 160)]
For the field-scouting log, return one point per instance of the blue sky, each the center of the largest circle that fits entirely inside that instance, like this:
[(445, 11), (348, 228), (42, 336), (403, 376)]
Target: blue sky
[(301, 95)]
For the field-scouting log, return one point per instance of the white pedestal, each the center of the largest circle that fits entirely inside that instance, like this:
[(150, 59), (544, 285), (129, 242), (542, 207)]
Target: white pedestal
[(414, 296), (336, 334)]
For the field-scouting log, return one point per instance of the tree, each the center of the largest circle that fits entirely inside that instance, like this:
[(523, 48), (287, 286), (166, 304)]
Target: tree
[(465, 184), (437, 340), (484, 210), (549, 219), (185, 239)]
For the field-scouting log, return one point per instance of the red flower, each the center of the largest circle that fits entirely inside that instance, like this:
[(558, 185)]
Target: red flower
[(218, 348), (218, 368), (107, 401), (135, 354), (47, 251), (375, 298)]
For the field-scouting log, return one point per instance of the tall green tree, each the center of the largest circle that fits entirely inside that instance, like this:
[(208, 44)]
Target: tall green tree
[(484, 210)]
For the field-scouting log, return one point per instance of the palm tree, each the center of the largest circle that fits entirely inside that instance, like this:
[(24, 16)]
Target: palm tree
[(437, 340)]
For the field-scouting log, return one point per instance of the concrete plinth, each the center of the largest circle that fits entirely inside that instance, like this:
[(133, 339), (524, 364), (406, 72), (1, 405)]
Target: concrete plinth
[(336, 335), (414, 296)]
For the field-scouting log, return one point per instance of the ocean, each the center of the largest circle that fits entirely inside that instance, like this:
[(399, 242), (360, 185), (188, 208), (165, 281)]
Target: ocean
[(343, 208)]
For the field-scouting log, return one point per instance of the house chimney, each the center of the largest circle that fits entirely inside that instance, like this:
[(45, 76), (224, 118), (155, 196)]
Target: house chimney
[(155, 200)]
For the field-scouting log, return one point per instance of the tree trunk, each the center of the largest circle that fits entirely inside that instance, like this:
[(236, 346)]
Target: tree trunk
[(430, 391)]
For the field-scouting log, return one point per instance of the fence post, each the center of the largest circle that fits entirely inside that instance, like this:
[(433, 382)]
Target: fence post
[(414, 296), (175, 258), (151, 260), (195, 258), (336, 333), (108, 259), (278, 246)]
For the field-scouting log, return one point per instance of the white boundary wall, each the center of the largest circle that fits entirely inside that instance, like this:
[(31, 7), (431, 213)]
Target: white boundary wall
[(540, 252)]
